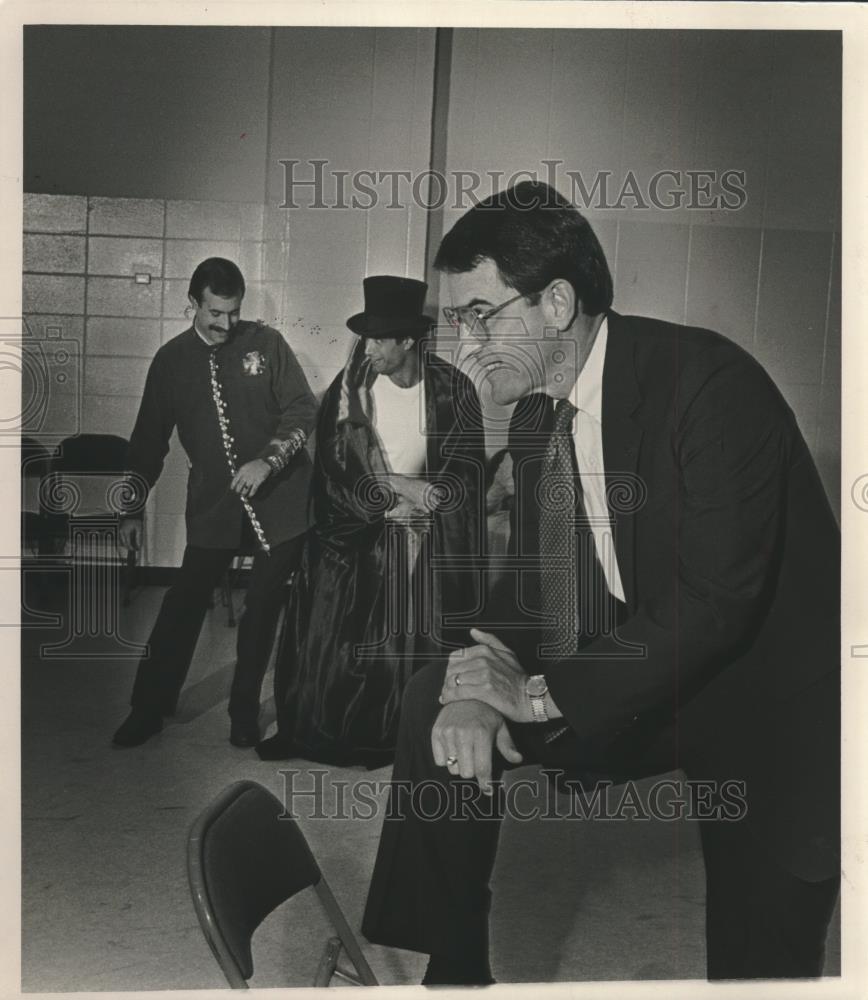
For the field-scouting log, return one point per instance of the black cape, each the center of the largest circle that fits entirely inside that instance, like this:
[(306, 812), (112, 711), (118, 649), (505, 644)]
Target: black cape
[(359, 622)]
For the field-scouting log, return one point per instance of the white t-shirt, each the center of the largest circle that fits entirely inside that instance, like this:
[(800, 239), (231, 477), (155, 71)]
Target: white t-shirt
[(399, 417)]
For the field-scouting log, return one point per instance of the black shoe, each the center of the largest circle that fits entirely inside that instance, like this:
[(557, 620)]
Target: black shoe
[(274, 748), (244, 734), (138, 728), (463, 971)]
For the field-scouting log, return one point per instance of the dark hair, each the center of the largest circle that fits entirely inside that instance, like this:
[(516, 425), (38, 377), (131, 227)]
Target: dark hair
[(221, 276), (533, 235)]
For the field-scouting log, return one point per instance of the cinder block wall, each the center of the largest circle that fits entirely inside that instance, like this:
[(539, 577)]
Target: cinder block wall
[(767, 103), (81, 258), (357, 99), (203, 176)]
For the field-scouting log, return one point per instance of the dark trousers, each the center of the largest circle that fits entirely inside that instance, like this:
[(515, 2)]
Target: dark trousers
[(429, 890), (172, 642), (761, 922)]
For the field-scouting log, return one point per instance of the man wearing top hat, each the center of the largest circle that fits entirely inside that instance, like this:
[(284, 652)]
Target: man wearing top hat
[(397, 493), (243, 410)]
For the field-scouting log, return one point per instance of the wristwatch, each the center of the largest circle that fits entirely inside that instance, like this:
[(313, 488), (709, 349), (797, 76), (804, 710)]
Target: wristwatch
[(537, 689)]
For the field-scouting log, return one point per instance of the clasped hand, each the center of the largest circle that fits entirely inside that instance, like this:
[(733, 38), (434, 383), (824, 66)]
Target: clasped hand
[(415, 499), (484, 686), (250, 477), (488, 672)]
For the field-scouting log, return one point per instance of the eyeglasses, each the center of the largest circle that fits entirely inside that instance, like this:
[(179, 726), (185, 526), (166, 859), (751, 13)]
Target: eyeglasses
[(468, 317)]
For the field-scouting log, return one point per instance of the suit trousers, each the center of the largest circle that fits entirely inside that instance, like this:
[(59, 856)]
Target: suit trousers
[(162, 671), (430, 887)]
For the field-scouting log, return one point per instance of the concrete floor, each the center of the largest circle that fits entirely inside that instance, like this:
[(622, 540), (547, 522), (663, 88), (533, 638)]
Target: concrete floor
[(105, 904)]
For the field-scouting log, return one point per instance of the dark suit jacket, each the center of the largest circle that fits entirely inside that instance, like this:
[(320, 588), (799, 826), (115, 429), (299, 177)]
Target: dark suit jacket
[(727, 664), (266, 396)]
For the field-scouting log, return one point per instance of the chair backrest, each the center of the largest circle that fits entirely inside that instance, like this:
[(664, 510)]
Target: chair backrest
[(87, 475), (33, 451), (35, 465), (92, 453), (244, 858)]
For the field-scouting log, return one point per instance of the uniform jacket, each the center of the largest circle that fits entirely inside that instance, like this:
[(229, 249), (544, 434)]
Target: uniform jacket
[(266, 396)]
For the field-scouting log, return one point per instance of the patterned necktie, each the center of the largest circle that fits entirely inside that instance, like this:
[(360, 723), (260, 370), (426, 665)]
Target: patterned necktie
[(572, 585)]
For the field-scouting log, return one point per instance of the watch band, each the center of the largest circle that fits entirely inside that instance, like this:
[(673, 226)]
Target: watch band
[(537, 689), (538, 708)]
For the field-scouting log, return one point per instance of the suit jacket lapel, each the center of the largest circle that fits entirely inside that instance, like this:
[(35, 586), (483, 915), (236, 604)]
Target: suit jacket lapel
[(622, 439)]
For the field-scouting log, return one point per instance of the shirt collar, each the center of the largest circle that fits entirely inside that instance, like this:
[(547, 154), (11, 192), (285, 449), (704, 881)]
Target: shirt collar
[(587, 394), (207, 343)]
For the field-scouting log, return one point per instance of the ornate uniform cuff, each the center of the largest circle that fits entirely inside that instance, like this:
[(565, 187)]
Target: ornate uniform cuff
[(279, 452)]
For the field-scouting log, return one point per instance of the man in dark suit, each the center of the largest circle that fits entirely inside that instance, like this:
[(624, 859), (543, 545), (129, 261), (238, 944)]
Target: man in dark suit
[(677, 607), (243, 410)]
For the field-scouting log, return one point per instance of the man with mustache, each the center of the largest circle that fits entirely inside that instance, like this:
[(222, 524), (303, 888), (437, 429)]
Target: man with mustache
[(243, 410), (677, 607)]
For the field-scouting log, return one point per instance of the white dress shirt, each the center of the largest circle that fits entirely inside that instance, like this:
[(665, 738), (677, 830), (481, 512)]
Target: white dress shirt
[(587, 397)]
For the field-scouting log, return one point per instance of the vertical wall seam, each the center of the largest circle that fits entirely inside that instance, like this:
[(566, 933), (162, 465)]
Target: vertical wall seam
[(624, 91), (687, 272), (759, 284), (86, 291), (269, 111), (371, 92), (438, 146), (617, 249), (165, 205), (694, 155), (551, 102), (823, 361), (266, 187), (408, 227), (766, 175)]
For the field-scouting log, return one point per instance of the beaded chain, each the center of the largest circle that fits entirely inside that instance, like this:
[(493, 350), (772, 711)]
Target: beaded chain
[(228, 441)]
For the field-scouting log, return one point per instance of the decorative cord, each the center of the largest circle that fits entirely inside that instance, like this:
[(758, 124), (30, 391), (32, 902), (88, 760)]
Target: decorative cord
[(228, 442)]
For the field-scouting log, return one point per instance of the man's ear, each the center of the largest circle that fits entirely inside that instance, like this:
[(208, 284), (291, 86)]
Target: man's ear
[(193, 302), (560, 304)]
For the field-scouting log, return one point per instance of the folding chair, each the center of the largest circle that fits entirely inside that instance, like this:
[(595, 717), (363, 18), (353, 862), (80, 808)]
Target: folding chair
[(243, 861), (83, 474), (35, 466)]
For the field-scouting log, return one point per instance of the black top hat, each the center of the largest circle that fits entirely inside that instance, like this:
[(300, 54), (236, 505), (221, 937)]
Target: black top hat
[(393, 306)]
